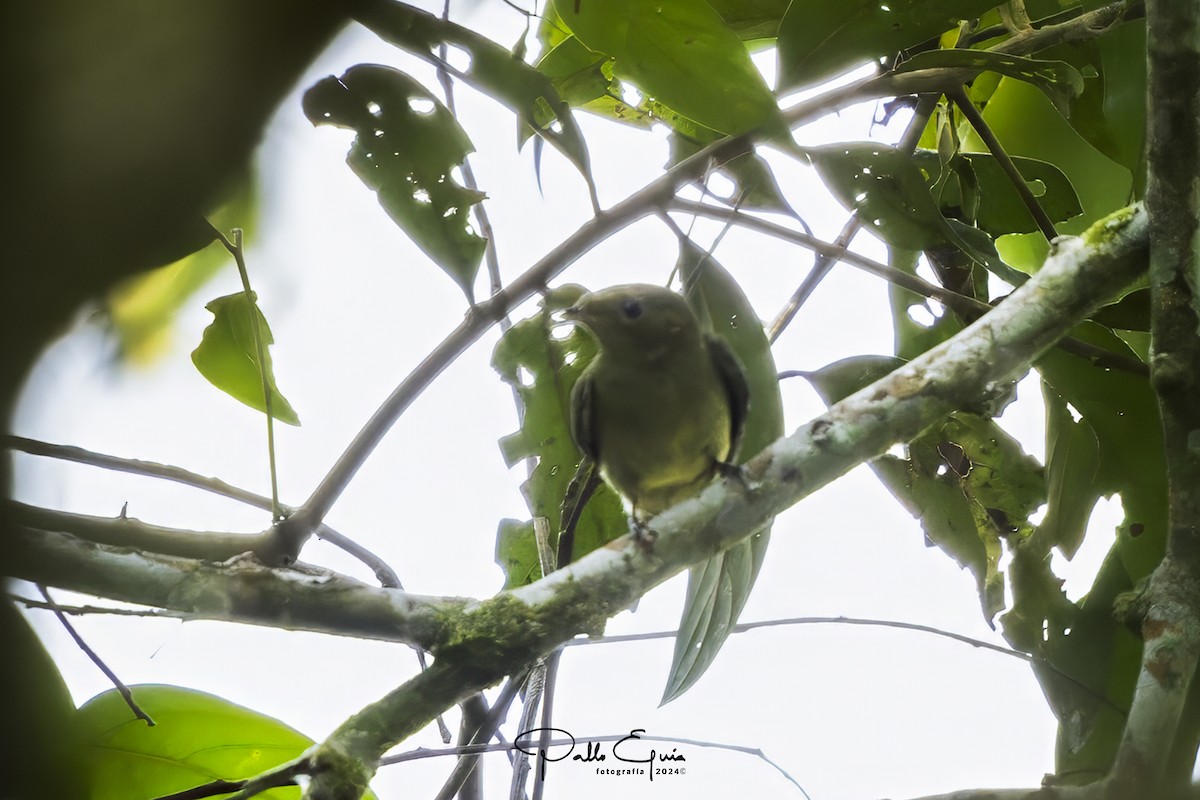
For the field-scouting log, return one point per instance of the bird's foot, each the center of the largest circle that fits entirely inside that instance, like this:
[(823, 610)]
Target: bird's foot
[(735, 471), (643, 535)]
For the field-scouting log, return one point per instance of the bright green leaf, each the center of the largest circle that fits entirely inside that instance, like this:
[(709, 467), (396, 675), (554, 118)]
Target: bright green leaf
[(1072, 461), (198, 738), (718, 589), (407, 146), (819, 41), (227, 356), (681, 54)]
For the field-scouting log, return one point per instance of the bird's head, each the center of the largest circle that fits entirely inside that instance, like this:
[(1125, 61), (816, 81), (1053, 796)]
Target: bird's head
[(636, 318)]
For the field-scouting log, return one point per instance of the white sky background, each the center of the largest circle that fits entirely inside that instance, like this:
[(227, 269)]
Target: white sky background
[(354, 306)]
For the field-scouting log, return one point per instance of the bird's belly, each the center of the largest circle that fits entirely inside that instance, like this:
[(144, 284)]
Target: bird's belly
[(663, 457)]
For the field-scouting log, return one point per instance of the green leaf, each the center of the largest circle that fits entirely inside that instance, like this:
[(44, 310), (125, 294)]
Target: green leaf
[(837, 381), (228, 358), (407, 146), (542, 366), (999, 208), (198, 738), (681, 54), (1121, 409), (492, 69), (1060, 81), (44, 757), (585, 80), (718, 589), (1072, 463), (819, 41), (889, 190), (912, 337), (754, 184)]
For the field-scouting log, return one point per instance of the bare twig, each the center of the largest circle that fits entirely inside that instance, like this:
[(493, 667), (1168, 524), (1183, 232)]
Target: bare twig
[(969, 308), (968, 109), (466, 763), (121, 688), (383, 573)]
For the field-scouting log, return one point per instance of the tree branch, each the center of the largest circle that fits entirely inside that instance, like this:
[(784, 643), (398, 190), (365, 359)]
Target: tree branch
[(1159, 746)]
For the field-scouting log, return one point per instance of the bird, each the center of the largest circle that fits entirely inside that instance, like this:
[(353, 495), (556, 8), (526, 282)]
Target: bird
[(662, 406)]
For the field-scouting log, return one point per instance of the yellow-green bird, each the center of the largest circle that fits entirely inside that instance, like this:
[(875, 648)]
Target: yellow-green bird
[(662, 405)]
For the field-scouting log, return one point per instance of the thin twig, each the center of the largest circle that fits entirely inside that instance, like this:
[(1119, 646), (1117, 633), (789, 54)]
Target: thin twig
[(383, 573), (29, 602), (260, 350), (824, 263), (282, 775), (968, 109), (743, 627), (121, 688), (466, 763), (969, 308)]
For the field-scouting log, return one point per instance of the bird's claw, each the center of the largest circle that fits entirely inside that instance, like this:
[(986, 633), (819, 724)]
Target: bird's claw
[(643, 535), (735, 471)]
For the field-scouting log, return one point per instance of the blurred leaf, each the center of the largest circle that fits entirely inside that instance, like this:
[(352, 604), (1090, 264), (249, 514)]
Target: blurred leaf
[(143, 309), (681, 54), (408, 145), (718, 589), (228, 359), (889, 191), (819, 41), (751, 19), (492, 69), (198, 738), (46, 760), (542, 366), (1060, 81)]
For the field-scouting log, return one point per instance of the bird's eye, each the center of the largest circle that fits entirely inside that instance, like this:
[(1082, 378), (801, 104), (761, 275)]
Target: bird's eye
[(632, 309)]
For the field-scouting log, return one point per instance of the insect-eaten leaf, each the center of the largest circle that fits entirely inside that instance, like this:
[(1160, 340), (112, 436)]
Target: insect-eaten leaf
[(408, 145), (718, 589), (1060, 81), (542, 363), (890, 192), (197, 739), (488, 67), (228, 358), (681, 54)]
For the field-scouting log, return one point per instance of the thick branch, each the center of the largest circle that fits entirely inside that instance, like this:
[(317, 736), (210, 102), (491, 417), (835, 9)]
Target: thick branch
[(1159, 747)]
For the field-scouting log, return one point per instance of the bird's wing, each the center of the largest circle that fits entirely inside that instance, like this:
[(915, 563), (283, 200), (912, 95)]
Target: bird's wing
[(583, 429), (733, 378)]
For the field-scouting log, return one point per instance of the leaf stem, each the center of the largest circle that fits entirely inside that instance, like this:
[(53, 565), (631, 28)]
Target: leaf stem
[(968, 109), (236, 250)]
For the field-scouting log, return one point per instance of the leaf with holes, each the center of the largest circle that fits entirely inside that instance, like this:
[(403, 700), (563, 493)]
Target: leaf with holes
[(407, 146), (228, 358), (492, 69), (681, 54), (1058, 80)]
